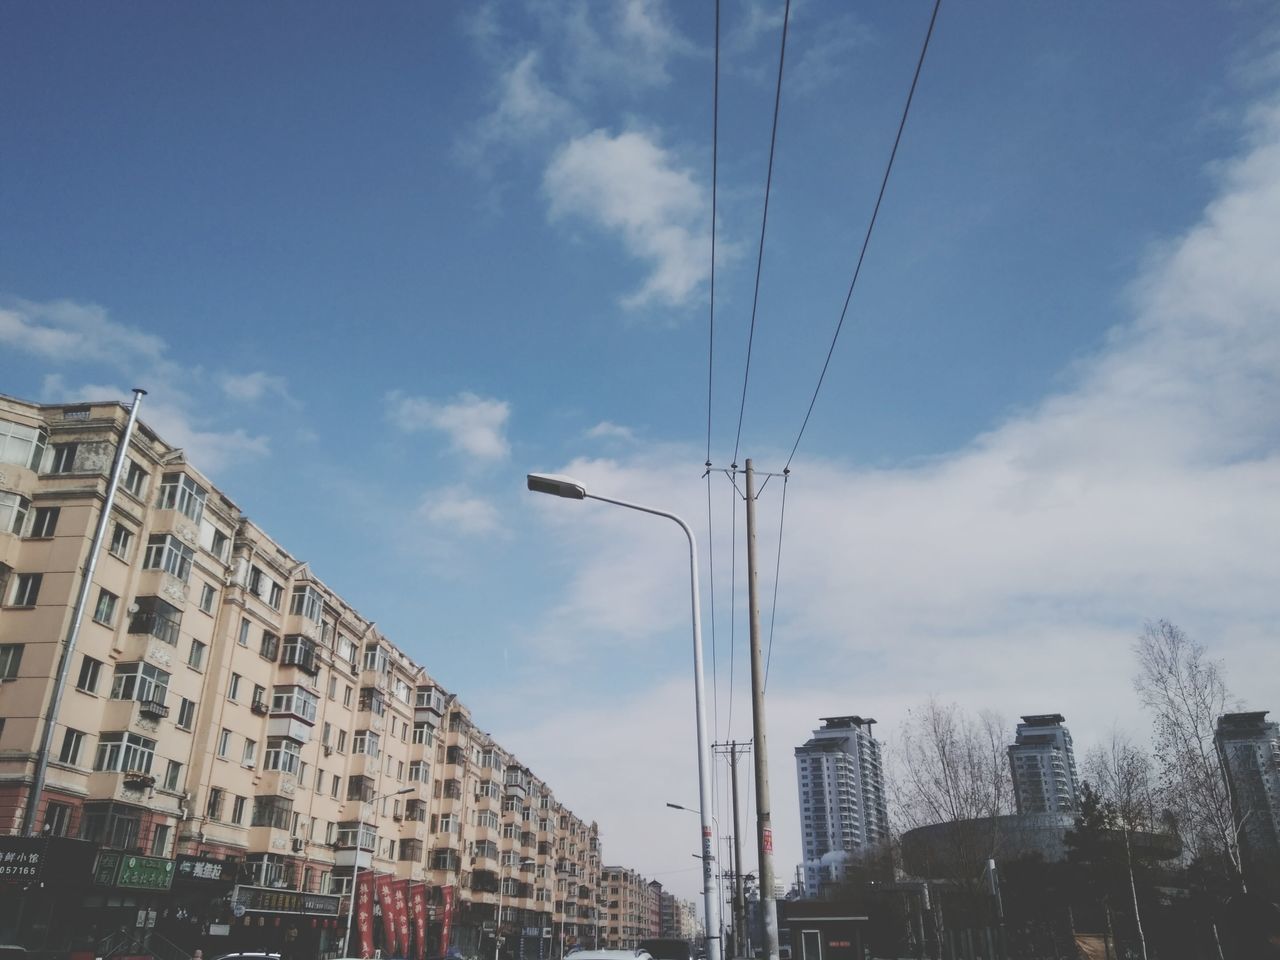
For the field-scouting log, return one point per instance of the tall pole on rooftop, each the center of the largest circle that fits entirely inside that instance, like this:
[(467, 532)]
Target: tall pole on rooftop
[(77, 617), (764, 817)]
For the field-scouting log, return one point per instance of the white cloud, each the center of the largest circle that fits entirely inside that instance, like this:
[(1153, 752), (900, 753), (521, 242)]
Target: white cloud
[(252, 387), (526, 109), (455, 509), (607, 430), (629, 185), (476, 426), (1014, 572), (67, 332)]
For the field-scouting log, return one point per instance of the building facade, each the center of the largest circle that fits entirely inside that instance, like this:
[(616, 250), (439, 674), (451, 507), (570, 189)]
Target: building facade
[(1249, 747), (630, 914), (228, 718), (843, 813), (1043, 766)]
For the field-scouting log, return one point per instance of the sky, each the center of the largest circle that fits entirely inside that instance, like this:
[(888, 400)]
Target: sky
[(375, 263)]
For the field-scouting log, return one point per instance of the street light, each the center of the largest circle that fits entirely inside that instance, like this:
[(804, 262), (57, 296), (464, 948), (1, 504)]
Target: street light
[(497, 924), (719, 873), (355, 869), (562, 486)]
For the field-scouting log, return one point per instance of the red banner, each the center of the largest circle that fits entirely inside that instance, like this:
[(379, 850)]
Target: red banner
[(383, 884), (446, 918), (418, 910), (364, 914), (400, 909)]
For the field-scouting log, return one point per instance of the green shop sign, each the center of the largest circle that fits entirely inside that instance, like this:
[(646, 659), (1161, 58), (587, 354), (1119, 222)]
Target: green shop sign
[(134, 872)]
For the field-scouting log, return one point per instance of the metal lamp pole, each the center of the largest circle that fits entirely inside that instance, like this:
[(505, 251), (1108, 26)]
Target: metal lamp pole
[(355, 869), (719, 873), (571, 489)]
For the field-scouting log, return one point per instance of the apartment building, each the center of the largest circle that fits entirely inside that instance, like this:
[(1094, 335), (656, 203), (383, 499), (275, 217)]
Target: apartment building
[(631, 914), (1043, 765), (1249, 747), (236, 743), (843, 813)]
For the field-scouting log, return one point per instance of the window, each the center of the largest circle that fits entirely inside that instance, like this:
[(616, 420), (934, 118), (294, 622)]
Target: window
[(224, 742), (71, 742), (275, 595), (275, 812), (270, 648), (422, 732), (418, 770), (196, 657), (213, 808), (259, 695), (111, 825), (282, 754), (347, 651), (135, 478), (124, 752), (44, 521), (157, 617), (13, 512), (220, 545), (89, 670), (307, 602), (237, 810), (179, 492), (21, 445), (255, 581), (173, 775), (10, 658), (243, 637), (139, 681), (64, 457), (301, 652), (186, 713), (166, 552), (297, 701), (335, 786), (365, 742), (233, 688), (26, 589), (319, 780), (327, 732), (333, 686), (160, 840), (57, 819), (121, 540), (105, 612), (249, 756), (342, 741), (346, 697), (207, 595)]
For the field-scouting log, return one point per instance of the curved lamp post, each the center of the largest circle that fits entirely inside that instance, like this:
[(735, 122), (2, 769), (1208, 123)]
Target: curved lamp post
[(719, 873), (355, 868), (497, 920), (567, 487)]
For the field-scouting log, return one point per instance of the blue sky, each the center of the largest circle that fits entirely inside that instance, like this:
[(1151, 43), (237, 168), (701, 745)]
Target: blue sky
[(374, 264)]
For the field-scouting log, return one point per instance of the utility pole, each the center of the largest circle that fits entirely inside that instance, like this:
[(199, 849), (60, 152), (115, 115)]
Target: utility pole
[(764, 817), (741, 936)]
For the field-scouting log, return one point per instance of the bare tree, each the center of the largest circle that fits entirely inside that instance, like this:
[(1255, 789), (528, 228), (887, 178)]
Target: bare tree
[(1186, 693), (1122, 774), (953, 769)]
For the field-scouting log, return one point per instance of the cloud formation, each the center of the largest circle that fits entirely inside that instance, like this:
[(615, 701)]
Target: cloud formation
[(629, 185), (476, 426), (458, 510), (252, 387)]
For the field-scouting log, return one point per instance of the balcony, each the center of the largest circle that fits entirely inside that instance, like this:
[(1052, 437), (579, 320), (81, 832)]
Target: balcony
[(260, 707), (153, 708)]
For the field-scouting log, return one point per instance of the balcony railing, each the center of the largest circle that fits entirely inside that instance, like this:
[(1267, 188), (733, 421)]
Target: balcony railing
[(153, 708)]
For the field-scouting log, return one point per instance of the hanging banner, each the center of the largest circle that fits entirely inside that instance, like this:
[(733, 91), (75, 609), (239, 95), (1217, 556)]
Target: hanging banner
[(364, 913), (400, 902), (418, 911), (446, 919), (383, 887)]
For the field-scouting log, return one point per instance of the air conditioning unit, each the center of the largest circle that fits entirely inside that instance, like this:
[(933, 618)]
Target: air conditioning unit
[(298, 844)]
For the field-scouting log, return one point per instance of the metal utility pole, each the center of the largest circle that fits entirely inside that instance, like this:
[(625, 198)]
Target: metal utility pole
[(77, 617), (741, 935), (764, 817)]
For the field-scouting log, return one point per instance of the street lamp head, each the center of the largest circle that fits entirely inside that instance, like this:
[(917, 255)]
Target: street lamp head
[(557, 485), (405, 790)]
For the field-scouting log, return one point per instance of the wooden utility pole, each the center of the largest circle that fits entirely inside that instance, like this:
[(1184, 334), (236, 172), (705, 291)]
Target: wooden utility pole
[(741, 936), (764, 817)]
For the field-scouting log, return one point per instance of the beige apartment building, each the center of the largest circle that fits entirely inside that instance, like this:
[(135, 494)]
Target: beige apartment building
[(632, 913), (234, 741)]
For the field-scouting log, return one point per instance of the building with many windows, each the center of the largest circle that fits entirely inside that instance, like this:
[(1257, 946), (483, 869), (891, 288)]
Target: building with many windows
[(1249, 746), (843, 813), (238, 729), (1043, 766), (631, 910)]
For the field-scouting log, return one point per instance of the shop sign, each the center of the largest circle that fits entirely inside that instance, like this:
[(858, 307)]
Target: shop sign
[(199, 868), (57, 859), (364, 912), (145, 873), (382, 883), (270, 900)]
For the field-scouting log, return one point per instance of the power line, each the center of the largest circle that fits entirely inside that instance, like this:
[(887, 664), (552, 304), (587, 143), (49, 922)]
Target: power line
[(733, 599), (777, 567), (866, 240), (764, 220)]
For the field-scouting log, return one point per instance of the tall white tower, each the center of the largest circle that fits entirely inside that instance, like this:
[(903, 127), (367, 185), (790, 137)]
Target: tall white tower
[(1044, 766)]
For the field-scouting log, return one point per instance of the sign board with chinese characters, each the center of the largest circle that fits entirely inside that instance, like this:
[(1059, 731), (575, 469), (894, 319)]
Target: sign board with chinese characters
[(47, 859), (271, 900), (199, 869), (133, 872)]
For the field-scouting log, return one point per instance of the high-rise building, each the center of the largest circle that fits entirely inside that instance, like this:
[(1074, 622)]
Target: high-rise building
[(842, 801), (232, 732), (1043, 766), (1249, 746)]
